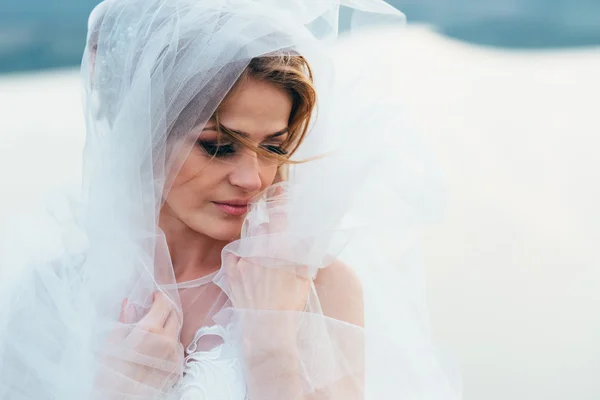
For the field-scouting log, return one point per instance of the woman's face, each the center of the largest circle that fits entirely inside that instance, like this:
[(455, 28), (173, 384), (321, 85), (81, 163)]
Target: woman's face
[(210, 194)]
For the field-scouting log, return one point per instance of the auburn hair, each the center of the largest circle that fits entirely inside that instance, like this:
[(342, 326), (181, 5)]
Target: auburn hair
[(291, 73)]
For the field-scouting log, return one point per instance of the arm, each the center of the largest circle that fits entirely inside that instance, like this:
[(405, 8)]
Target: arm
[(341, 296), (339, 292)]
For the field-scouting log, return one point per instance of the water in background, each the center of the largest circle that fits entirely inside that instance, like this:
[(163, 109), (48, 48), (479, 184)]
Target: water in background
[(41, 34)]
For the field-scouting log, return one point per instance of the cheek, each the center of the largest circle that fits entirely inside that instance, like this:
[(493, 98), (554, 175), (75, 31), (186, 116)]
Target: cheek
[(194, 179), (188, 172), (183, 167), (269, 176)]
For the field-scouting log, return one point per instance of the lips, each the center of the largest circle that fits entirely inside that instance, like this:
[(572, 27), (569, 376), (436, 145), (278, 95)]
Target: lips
[(234, 208)]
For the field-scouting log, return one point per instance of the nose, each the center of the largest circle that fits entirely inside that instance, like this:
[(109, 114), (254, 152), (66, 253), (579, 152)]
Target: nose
[(246, 172)]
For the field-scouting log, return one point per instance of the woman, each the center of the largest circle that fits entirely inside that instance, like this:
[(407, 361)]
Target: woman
[(226, 176)]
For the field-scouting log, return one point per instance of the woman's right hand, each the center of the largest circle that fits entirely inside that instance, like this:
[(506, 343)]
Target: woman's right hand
[(146, 358)]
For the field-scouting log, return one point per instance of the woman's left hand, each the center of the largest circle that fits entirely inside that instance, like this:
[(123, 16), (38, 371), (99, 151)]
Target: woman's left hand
[(272, 280), (257, 286), (270, 295)]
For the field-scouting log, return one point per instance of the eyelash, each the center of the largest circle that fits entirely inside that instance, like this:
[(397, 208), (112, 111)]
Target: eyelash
[(226, 150), (215, 150)]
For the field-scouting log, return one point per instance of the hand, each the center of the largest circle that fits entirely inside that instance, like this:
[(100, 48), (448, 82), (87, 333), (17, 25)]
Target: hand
[(269, 281), (269, 290), (256, 286), (148, 357)]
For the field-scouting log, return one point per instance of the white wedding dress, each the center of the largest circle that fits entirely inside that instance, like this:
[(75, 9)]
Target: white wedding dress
[(213, 369), (212, 374)]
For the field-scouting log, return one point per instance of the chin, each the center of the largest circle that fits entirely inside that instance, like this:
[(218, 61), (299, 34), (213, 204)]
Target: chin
[(224, 230)]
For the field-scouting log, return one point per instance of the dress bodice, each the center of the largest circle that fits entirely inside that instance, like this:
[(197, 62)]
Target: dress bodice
[(213, 366), (215, 373)]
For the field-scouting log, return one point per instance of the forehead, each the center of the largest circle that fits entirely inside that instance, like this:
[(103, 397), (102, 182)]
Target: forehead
[(257, 108)]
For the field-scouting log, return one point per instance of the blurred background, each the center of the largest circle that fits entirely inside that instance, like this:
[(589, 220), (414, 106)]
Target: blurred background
[(36, 34), (506, 94)]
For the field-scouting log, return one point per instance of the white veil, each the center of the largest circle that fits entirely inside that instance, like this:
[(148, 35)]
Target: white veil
[(154, 71)]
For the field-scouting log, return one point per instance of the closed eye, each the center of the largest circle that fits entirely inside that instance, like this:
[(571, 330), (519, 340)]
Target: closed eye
[(274, 149), (215, 149)]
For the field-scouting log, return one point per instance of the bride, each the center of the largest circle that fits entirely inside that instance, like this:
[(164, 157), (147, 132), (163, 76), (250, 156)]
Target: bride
[(237, 233)]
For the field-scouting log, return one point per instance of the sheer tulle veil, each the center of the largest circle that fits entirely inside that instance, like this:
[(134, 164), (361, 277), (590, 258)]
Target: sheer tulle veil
[(153, 73)]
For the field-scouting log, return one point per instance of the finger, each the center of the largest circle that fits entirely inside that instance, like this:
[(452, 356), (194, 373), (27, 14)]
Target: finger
[(278, 244), (158, 313), (302, 271), (128, 312), (246, 266), (277, 219), (122, 313), (278, 210), (252, 273), (229, 263), (280, 176), (119, 331), (172, 324), (278, 190), (230, 259)]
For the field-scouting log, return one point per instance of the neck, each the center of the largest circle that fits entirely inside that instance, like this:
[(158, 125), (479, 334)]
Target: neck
[(193, 254)]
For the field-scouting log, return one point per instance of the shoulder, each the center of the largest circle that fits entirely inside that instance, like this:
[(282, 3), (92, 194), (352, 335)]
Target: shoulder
[(339, 275), (340, 293)]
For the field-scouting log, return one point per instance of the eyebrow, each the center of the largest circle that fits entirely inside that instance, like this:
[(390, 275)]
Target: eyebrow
[(244, 134)]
